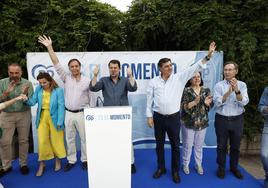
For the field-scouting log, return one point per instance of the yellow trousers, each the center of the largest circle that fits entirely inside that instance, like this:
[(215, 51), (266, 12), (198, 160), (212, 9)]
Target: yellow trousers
[(50, 140)]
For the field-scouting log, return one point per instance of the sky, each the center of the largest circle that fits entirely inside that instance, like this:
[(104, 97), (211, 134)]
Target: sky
[(121, 5)]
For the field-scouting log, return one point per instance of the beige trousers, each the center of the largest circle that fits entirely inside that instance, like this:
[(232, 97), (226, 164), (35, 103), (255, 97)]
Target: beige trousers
[(9, 122)]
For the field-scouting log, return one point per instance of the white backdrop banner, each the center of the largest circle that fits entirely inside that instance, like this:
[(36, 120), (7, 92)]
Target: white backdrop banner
[(144, 67)]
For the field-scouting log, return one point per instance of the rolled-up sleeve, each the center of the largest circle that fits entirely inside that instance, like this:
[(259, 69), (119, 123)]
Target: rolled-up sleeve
[(218, 95), (98, 86), (244, 92), (189, 71), (132, 88), (61, 72)]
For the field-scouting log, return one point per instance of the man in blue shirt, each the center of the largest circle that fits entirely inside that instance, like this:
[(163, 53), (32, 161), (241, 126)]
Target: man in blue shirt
[(115, 89), (263, 108), (230, 97)]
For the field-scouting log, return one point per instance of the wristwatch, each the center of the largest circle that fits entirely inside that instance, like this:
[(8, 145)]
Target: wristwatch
[(237, 92), (207, 58)]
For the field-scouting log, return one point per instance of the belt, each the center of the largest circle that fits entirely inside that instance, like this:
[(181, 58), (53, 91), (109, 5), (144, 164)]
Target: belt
[(230, 118), (168, 115), (74, 111)]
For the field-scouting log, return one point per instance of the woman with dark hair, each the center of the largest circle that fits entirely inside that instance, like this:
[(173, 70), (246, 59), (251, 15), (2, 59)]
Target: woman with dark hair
[(196, 102), (49, 121)]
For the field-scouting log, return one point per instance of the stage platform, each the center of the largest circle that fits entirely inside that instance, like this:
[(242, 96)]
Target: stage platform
[(145, 160)]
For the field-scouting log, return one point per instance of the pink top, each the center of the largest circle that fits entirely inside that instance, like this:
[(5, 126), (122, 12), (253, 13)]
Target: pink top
[(77, 94)]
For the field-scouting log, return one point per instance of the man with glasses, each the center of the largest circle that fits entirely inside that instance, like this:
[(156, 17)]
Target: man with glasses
[(230, 97)]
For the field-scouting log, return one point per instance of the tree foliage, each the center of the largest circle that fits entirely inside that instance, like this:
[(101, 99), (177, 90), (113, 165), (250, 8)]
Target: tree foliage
[(75, 25), (238, 27)]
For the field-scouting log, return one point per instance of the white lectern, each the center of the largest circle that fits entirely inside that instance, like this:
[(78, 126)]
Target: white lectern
[(108, 137)]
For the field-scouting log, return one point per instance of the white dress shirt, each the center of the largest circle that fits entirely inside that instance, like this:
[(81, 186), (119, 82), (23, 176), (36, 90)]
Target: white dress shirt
[(163, 96)]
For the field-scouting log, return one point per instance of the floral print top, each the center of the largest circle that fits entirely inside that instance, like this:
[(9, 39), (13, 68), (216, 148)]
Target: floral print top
[(196, 117)]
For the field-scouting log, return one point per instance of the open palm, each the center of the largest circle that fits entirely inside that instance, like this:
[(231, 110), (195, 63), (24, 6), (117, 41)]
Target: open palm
[(46, 41)]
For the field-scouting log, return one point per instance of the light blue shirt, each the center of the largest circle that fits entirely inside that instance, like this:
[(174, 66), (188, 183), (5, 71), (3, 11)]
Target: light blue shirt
[(264, 104), (231, 107), (163, 96)]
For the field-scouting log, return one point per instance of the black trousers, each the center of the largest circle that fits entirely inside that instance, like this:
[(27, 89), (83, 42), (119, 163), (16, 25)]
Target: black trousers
[(169, 124), (228, 127)]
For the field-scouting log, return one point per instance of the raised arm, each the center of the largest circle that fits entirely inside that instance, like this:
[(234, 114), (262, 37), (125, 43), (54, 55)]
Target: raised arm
[(94, 85), (47, 42), (211, 49), (132, 86), (95, 75)]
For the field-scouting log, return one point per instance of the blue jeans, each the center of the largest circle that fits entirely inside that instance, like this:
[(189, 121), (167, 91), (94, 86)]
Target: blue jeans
[(264, 153)]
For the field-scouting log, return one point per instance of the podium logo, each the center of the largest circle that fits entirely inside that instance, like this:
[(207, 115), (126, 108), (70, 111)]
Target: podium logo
[(89, 117)]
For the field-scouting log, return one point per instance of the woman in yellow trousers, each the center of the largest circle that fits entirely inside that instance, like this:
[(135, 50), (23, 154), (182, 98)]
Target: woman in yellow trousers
[(49, 121)]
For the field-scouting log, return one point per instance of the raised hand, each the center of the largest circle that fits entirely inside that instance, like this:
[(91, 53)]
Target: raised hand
[(211, 49), (96, 71), (46, 41), (129, 72)]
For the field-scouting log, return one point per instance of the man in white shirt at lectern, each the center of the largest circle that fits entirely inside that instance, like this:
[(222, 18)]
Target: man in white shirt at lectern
[(115, 90)]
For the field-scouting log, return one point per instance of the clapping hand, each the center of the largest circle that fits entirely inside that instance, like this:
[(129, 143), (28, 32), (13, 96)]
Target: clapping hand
[(24, 89), (11, 86), (233, 83), (197, 99), (208, 100)]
